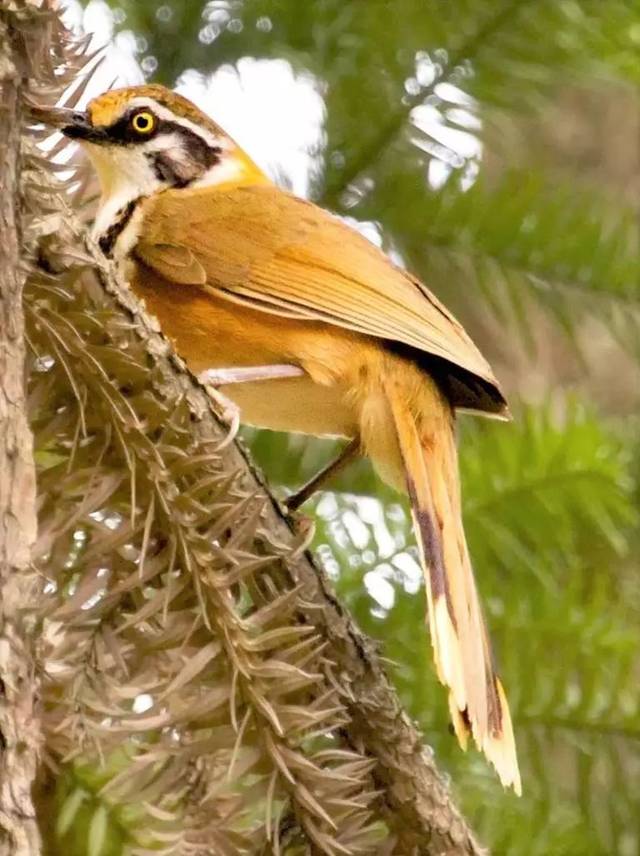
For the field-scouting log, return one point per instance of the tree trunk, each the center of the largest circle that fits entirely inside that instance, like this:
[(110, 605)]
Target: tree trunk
[(19, 726)]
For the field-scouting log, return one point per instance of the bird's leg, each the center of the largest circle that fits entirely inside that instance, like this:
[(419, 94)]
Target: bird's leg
[(350, 451), (248, 374)]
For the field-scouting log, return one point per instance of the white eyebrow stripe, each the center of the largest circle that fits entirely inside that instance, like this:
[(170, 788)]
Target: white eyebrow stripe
[(164, 113)]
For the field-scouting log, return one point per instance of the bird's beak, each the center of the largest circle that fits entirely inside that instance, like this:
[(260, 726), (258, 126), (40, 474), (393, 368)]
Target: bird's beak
[(72, 123)]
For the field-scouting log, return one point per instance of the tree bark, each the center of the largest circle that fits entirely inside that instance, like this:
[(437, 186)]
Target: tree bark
[(19, 728)]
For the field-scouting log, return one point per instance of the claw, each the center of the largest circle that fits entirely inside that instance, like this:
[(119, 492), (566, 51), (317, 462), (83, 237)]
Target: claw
[(230, 412)]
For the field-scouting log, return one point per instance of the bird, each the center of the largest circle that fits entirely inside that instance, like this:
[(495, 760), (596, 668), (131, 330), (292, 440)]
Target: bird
[(308, 327)]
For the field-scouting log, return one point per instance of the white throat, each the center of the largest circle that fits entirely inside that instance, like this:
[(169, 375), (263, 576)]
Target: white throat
[(125, 177)]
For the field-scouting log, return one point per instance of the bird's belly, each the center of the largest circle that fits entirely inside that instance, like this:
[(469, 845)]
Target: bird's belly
[(211, 333), (294, 404)]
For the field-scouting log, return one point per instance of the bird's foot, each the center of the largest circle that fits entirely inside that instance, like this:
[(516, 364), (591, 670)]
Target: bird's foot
[(228, 410)]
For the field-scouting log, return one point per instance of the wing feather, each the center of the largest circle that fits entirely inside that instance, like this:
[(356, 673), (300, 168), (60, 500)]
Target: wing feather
[(278, 253), (174, 262)]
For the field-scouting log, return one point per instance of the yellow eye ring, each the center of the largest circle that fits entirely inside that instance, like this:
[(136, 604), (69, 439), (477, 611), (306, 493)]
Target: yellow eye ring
[(143, 122)]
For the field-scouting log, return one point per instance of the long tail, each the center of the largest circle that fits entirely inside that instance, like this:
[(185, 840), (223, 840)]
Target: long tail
[(462, 653)]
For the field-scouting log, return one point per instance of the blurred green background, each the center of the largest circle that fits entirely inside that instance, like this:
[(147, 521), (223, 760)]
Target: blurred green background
[(492, 147)]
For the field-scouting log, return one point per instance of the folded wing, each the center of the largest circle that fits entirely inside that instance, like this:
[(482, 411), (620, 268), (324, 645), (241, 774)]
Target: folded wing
[(275, 252)]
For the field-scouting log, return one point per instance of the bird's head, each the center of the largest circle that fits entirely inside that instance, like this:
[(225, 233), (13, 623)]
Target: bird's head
[(143, 139)]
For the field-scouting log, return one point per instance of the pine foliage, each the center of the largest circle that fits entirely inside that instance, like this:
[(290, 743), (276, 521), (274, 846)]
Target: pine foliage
[(563, 249)]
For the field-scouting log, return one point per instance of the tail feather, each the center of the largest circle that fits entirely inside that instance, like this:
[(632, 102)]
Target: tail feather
[(461, 647)]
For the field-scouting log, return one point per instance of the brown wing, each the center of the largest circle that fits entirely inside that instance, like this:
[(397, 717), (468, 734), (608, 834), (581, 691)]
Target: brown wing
[(273, 251)]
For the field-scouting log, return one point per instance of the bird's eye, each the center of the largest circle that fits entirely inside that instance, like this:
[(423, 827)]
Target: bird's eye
[(143, 123)]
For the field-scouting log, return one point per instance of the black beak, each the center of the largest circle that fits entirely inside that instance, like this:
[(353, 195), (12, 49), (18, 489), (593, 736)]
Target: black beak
[(72, 123)]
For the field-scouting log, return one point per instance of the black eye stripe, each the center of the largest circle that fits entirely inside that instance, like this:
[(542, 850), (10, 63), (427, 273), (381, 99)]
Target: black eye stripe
[(123, 133), (177, 168)]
